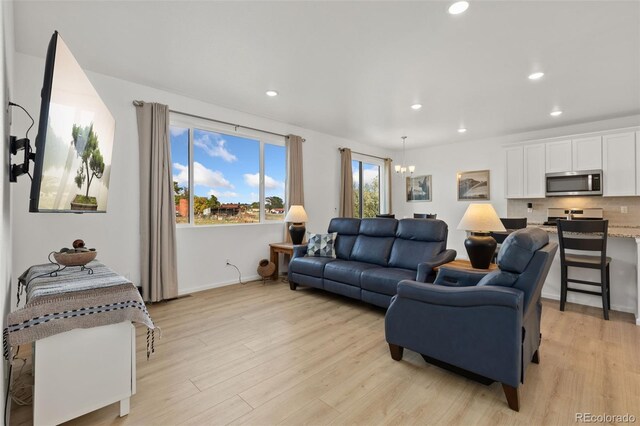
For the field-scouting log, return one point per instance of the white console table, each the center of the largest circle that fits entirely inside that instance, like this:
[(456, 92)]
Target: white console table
[(82, 370)]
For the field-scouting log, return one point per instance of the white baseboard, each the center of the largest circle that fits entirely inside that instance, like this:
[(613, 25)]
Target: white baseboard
[(596, 303), (183, 291)]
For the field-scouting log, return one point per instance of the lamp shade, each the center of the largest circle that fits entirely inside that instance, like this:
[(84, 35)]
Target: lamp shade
[(296, 214), (481, 217)]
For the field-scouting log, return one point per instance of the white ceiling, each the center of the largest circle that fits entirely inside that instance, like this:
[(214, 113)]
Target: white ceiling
[(353, 69)]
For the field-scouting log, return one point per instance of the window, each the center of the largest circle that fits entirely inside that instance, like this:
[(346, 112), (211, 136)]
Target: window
[(180, 158), (226, 178), (367, 176)]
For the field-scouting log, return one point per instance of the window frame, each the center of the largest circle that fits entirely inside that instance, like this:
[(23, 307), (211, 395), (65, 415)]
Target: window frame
[(191, 123), (382, 183)]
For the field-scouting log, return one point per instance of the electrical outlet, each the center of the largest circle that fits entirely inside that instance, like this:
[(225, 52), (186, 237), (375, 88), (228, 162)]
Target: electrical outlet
[(624, 209)]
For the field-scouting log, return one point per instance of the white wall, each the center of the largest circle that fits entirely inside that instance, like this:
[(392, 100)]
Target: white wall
[(201, 251), (6, 84), (444, 161)]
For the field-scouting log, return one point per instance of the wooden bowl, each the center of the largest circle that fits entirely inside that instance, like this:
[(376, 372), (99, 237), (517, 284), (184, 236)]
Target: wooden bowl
[(71, 258)]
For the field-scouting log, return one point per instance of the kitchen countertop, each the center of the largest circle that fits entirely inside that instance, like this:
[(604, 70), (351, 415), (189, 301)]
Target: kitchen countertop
[(614, 231)]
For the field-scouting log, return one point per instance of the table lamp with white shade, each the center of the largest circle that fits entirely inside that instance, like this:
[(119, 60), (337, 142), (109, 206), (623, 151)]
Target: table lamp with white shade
[(480, 220), (297, 216)]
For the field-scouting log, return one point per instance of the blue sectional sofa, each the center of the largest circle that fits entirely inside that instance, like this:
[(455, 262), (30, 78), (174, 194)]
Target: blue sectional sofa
[(373, 256)]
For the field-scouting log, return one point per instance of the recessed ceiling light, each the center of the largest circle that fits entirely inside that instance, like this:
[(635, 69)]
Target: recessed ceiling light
[(462, 130), (555, 113), (536, 76), (416, 106), (272, 93), (458, 7)]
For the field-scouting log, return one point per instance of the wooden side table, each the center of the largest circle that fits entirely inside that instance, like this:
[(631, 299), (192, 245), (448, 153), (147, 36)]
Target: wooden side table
[(275, 250), (465, 265)]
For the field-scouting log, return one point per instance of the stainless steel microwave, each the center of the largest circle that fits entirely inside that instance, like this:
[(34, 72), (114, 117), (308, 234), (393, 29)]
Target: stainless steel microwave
[(588, 182)]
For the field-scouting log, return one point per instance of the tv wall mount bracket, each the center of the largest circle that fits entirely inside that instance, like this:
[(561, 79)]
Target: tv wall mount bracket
[(16, 145)]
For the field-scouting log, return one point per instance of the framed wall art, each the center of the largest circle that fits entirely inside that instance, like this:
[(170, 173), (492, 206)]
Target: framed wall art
[(474, 185), (418, 188)]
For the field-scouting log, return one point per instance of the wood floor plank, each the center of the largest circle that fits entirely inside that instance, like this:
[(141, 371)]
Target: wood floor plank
[(263, 355)]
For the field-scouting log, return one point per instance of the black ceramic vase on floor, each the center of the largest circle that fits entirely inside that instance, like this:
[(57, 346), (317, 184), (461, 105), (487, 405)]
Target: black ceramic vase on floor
[(297, 230), (480, 248)]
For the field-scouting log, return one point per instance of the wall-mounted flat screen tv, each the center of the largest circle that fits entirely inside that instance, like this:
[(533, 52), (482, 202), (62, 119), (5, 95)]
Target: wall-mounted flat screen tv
[(75, 139)]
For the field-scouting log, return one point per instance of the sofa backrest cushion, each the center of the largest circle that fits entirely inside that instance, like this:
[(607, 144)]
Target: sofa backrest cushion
[(379, 227), (518, 249), (347, 229), (422, 230), (374, 243), (417, 241)]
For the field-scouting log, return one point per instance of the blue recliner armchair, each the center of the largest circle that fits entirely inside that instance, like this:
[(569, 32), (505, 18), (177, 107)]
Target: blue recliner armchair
[(483, 325)]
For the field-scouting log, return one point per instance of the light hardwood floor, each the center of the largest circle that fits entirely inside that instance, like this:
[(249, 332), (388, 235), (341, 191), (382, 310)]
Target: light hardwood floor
[(263, 354)]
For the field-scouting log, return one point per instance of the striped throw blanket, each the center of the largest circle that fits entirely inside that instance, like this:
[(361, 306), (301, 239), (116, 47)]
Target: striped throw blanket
[(59, 300)]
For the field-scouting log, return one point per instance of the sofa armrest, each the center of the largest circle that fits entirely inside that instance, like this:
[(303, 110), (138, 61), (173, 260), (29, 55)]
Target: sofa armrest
[(426, 268), (299, 251), (452, 277), (461, 296)]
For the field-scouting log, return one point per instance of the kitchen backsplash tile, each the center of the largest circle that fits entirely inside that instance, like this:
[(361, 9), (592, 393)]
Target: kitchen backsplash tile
[(610, 205)]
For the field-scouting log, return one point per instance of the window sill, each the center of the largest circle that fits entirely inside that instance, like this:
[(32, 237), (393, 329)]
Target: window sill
[(226, 225)]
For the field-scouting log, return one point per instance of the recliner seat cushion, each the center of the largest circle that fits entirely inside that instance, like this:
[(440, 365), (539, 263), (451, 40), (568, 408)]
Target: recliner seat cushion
[(385, 280), (346, 271), (499, 278), (313, 266)]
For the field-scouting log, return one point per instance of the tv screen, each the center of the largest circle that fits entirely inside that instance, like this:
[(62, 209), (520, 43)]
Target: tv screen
[(75, 139)]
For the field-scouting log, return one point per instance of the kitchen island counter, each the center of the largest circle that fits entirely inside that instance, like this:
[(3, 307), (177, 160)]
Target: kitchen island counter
[(614, 230)]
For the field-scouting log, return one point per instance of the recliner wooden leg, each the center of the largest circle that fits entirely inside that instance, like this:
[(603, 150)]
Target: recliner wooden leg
[(292, 285), (536, 357), (512, 397), (396, 352)]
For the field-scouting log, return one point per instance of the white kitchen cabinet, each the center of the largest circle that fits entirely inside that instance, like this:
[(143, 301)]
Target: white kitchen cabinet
[(558, 156), (515, 178), (534, 171), (587, 153), (619, 164)]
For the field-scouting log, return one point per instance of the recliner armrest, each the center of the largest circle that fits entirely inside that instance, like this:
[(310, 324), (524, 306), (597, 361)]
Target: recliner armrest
[(452, 277), (461, 296), (299, 251), (426, 268)]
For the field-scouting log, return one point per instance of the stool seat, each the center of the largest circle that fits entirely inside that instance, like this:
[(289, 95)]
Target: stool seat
[(584, 260)]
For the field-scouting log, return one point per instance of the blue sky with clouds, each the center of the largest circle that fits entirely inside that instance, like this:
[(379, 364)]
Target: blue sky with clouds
[(227, 166)]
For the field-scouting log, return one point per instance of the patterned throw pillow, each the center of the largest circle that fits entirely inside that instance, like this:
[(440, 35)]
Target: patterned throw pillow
[(322, 245)]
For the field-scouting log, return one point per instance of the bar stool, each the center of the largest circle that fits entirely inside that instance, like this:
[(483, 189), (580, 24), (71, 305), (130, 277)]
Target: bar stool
[(585, 235)]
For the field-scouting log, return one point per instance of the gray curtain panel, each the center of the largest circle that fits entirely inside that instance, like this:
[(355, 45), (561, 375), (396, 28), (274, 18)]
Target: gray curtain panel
[(346, 184), (295, 184), (388, 171), (159, 266)]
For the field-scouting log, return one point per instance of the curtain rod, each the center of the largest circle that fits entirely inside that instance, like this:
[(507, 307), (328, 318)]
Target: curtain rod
[(237, 126), (366, 155)]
